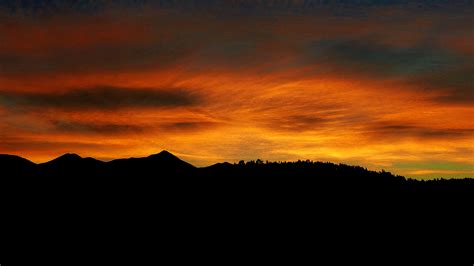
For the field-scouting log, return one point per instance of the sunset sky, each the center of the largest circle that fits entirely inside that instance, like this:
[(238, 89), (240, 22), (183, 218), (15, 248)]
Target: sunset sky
[(382, 84)]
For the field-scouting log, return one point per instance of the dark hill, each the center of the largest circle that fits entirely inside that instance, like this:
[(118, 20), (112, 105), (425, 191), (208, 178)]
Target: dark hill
[(16, 166), (163, 164), (142, 194), (71, 165), (65, 159), (157, 172)]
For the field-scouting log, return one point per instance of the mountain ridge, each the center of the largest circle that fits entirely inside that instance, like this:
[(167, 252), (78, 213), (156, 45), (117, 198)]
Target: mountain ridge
[(164, 173), (162, 159)]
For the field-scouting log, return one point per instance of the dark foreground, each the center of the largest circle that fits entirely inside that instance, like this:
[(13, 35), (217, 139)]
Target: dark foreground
[(164, 170), (161, 203)]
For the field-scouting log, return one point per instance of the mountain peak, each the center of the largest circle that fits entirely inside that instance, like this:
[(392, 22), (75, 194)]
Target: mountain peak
[(169, 159), (163, 154), (68, 157), (9, 159)]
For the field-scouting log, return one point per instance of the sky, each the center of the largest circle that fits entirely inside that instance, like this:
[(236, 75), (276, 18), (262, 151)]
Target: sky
[(381, 84)]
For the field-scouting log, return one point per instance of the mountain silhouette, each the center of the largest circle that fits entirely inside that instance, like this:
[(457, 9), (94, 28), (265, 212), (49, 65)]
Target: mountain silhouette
[(166, 156), (14, 166), (165, 169), (163, 164), (166, 174), (162, 193), (66, 158), (70, 165)]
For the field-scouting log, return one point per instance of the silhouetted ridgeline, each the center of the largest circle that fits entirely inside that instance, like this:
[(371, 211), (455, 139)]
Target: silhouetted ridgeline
[(162, 198), (165, 168)]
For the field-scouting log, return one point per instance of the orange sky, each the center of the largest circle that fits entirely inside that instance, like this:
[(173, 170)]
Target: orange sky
[(392, 89)]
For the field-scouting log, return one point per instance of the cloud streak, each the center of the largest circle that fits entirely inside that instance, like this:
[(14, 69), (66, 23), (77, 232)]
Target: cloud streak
[(96, 128), (403, 131), (102, 98)]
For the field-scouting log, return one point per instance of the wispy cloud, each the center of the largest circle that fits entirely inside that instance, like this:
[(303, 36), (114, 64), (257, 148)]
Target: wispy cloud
[(104, 98)]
